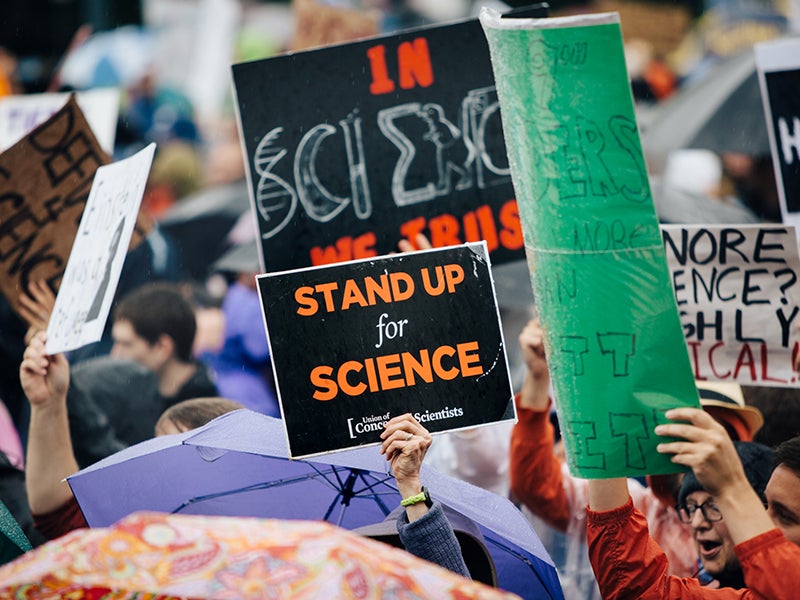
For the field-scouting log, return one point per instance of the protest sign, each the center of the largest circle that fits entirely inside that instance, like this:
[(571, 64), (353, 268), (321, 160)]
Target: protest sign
[(20, 114), (739, 300), (357, 343), (95, 262), (613, 337), (778, 64), (366, 143), (44, 182)]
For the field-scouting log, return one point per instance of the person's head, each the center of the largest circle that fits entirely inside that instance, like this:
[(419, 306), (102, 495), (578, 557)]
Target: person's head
[(783, 490), (154, 325), (697, 508), (194, 413)]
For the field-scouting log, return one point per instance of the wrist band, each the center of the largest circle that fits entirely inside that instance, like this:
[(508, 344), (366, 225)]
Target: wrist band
[(423, 496)]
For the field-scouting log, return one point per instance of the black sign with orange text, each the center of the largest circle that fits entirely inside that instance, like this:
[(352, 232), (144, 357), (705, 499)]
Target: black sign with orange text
[(352, 147), (357, 343)]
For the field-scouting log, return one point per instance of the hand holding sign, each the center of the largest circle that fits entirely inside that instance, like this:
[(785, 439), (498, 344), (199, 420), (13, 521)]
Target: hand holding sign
[(36, 307)]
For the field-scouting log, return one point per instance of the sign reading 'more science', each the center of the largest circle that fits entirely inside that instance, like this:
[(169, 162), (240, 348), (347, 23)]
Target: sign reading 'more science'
[(357, 343)]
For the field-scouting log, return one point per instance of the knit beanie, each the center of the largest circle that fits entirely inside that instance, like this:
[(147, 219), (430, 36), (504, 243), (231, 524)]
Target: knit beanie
[(758, 464)]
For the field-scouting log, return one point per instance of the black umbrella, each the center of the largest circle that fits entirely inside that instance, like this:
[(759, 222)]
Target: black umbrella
[(722, 112)]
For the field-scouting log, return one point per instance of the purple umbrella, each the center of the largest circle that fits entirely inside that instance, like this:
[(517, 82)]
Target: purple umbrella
[(237, 465)]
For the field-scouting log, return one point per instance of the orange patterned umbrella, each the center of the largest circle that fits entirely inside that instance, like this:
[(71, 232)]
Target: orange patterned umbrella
[(156, 556)]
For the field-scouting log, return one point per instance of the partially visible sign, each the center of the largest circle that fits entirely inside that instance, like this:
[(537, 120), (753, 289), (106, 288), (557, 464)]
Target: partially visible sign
[(739, 299), (20, 114), (357, 343), (95, 262), (44, 182), (370, 142), (778, 65), (613, 336)]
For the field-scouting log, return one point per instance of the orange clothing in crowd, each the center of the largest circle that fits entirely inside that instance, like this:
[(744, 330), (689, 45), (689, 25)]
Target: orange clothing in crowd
[(629, 564), (541, 482)]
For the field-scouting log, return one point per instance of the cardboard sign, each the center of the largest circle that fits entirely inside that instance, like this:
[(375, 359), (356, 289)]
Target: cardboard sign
[(739, 300), (358, 343), (95, 263), (778, 66), (363, 144), (20, 114), (613, 337), (44, 182)]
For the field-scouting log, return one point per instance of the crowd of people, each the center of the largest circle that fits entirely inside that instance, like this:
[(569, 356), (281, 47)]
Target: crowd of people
[(175, 356)]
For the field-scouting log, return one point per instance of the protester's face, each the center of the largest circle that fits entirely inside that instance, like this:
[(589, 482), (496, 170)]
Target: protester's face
[(783, 499), (713, 542), (130, 346)]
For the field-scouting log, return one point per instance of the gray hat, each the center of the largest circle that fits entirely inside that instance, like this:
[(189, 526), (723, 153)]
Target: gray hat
[(758, 464)]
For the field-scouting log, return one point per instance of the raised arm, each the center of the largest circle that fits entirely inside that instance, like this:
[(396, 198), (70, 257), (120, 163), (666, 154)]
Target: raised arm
[(535, 472), (423, 528), (50, 458), (709, 451)]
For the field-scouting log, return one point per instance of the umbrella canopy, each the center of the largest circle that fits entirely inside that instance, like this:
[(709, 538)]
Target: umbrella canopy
[(237, 465), (110, 58), (227, 557), (722, 112)]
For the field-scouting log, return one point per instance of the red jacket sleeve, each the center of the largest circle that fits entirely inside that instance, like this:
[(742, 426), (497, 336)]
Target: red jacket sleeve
[(629, 564), (62, 520), (535, 471), (770, 564)]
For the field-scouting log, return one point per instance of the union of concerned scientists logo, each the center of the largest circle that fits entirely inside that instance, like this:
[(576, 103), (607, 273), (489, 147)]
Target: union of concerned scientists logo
[(371, 423)]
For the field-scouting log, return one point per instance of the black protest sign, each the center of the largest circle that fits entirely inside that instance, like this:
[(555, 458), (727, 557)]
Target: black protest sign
[(357, 343), (778, 64), (352, 147), (45, 180)]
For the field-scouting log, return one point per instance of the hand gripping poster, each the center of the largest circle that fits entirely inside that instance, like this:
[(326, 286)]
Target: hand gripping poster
[(613, 337), (357, 343)]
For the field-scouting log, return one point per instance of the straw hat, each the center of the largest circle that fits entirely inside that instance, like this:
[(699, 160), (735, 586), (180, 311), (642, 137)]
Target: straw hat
[(729, 395)]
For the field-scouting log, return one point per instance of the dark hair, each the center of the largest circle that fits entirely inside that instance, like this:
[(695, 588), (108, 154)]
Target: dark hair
[(788, 454), (158, 309), (196, 412)]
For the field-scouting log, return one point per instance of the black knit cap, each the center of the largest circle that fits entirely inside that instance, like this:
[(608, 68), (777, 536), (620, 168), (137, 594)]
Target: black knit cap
[(758, 464)]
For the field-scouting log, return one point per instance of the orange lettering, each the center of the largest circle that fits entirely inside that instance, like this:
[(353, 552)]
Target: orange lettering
[(344, 384), (381, 84), (414, 64), (308, 306), (511, 235), (319, 378), (467, 356), (389, 370), (352, 295), (438, 368)]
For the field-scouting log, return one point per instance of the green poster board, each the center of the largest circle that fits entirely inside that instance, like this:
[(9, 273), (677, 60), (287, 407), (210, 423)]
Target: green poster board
[(613, 337)]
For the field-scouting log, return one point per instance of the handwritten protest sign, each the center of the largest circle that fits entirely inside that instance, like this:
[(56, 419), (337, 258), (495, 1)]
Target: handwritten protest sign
[(44, 182), (20, 114), (739, 300), (373, 141), (613, 337), (357, 343), (95, 263), (778, 64)]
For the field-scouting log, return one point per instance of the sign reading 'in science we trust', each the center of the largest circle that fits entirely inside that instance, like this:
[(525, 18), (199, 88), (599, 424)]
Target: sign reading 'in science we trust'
[(357, 343)]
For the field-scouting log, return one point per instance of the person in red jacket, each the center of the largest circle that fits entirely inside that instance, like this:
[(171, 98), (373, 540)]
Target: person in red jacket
[(540, 481), (629, 564)]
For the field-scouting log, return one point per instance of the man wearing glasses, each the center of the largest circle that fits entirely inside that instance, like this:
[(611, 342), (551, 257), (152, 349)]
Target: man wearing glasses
[(696, 507)]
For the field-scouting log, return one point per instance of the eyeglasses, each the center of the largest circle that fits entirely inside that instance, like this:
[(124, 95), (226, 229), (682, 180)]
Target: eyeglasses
[(708, 509)]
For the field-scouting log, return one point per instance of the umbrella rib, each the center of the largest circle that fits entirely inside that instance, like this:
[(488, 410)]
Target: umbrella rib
[(248, 488)]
